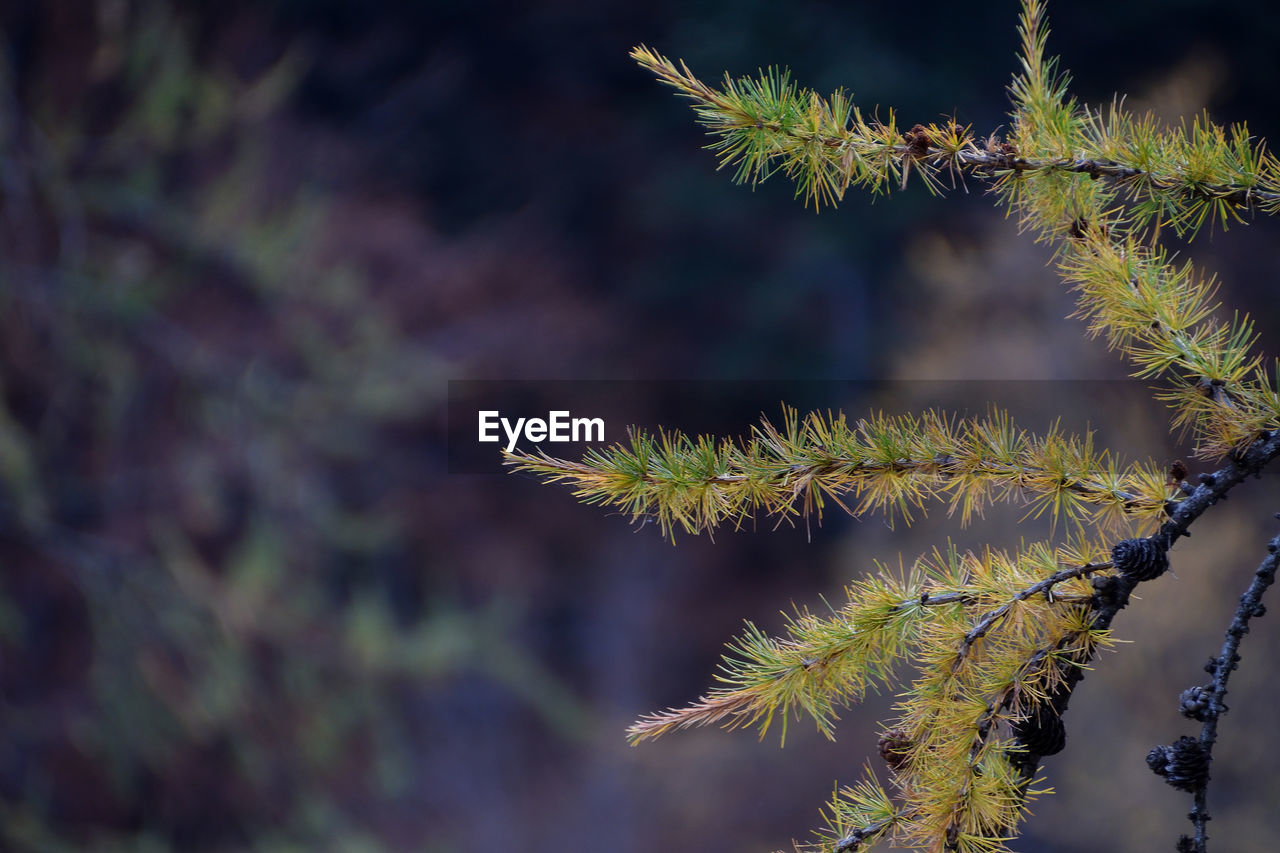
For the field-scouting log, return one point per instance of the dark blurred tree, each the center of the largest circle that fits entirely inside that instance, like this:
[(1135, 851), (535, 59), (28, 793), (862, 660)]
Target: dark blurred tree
[(215, 623)]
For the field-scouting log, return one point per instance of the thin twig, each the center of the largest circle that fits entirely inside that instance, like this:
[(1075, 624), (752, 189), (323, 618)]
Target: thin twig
[(980, 630), (1225, 663)]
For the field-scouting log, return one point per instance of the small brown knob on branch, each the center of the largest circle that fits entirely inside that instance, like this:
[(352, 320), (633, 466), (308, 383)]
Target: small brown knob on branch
[(895, 748), (918, 141)]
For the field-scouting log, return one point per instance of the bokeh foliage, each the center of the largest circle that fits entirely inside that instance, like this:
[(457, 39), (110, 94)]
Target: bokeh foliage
[(215, 626)]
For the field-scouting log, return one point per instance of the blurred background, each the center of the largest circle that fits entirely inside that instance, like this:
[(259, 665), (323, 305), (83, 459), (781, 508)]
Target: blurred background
[(244, 247)]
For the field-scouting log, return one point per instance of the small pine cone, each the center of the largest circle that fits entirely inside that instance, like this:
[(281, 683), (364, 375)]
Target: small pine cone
[(918, 141), (1189, 764), (1194, 703), (1185, 764), (1042, 733), (895, 748), (1140, 559)]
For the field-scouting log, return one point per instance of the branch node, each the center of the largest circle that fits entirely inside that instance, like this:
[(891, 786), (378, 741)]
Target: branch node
[(1195, 702)]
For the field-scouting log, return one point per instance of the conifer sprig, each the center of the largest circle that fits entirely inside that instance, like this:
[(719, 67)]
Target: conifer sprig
[(1175, 176), (971, 757), (936, 744), (1162, 316), (960, 603), (858, 815), (768, 124), (897, 465), (1172, 176), (991, 636), (996, 641), (1158, 313)]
